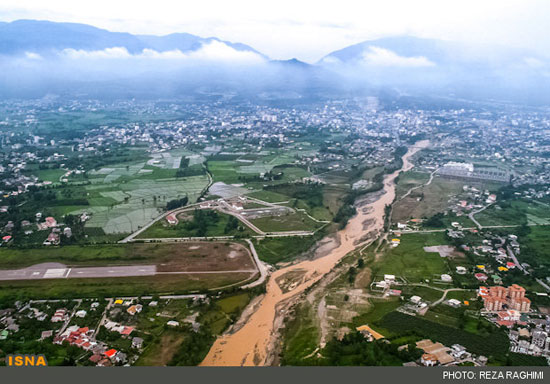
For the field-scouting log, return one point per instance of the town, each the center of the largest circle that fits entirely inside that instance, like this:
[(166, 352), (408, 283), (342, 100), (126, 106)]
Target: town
[(141, 237)]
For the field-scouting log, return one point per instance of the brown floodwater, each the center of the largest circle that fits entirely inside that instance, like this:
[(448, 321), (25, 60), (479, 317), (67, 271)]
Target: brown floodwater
[(249, 345)]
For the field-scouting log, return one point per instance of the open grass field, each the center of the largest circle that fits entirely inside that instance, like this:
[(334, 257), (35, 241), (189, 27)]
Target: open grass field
[(182, 346), (188, 256), (426, 201), (301, 336), (409, 259), (409, 180), (292, 222), (224, 170), (378, 310), (535, 244), (516, 212), (273, 249), (52, 175), (161, 229), (123, 286), (224, 311), (426, 293), (161, 352), (269, 196)]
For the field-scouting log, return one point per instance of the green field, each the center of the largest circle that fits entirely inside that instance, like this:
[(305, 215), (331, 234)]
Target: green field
[(52, 175), (493, 344), (433, 199), (182, 346), (274, 250), (535, 250), (301, 336), (378, 310), (161, 229), (516, 212), (409, 260), (292, 222), (112, 254), (269, 196), (409, 180), (137, 202), (119, 197), (426, 293), (121, 286)]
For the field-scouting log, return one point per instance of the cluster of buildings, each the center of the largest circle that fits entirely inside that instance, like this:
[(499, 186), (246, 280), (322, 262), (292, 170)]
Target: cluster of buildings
[(498, 298), (48, 224), (534, 342), (528, 330), (438, 354)]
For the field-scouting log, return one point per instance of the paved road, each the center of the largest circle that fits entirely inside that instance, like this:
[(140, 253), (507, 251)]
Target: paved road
[(262, 268), (61, 271), (445, 295), (260, 233), (512, 255), (471, 215), (190, 239), (160, 217), (421, 185)]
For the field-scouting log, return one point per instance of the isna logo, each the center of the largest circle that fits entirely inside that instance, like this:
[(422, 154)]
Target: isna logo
[(26, 361)]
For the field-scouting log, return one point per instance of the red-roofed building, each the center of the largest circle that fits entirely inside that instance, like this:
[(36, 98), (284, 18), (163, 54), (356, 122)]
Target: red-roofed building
[(172, 219), (483, 291), (127, 331), (394, 292), (506, 323), (104, 363), (510, 265), (481, 276), (53, 238), (51, 222), (110, 353), (95, 358)]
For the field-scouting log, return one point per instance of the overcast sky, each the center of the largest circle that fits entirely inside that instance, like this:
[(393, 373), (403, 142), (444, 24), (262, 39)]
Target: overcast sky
[(306, 29)]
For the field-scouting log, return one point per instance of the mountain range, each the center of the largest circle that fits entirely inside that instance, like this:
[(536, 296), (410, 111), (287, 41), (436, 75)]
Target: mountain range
[(45, 37), (410, 64)]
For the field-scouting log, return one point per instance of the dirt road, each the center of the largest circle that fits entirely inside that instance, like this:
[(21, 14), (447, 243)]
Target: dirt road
[(249, 346)]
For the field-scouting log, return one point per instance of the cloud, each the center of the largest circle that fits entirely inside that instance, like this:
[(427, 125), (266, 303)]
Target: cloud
[(377, 56), (107, 53), (533, 63), (215, 51), (33, 56)]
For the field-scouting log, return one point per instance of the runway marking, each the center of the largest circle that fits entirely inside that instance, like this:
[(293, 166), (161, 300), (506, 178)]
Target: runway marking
[(54, 273)]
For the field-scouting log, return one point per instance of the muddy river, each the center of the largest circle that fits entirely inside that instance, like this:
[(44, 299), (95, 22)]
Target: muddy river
[(249, 345)]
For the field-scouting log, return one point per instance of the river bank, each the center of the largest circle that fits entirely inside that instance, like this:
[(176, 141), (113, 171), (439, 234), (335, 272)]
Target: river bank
[(250, 344)]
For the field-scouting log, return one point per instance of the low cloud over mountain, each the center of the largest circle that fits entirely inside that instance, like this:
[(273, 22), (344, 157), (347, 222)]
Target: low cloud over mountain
[(38, 57)]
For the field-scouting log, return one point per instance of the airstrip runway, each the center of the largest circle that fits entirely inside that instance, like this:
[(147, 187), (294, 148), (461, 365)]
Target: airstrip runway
[(61, 271)]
